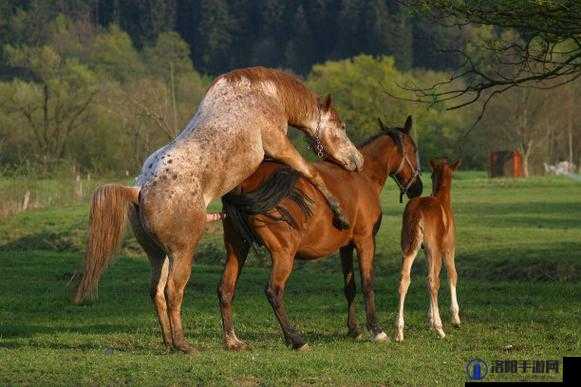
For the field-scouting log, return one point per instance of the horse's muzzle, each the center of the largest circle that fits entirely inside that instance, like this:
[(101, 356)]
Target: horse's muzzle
[(415, 189), (356, 162)]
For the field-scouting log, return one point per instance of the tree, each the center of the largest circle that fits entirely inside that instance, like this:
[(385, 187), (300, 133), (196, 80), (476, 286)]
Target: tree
[(114, 55), (547, 46), (300, 50), (357, 86), (214, 35), (528, 120), (349, 35), (53, 107), (169, 55)]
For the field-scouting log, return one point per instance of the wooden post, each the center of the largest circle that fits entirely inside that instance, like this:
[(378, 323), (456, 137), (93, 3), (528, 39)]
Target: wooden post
[(26, 201)]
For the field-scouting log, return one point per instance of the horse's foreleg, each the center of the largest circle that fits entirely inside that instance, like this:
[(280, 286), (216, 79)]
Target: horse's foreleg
[(279, 147), (350, 290), (365, 252), (282, 265), (237, 251)]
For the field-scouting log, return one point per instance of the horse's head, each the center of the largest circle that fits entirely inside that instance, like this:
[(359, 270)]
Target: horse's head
[(408, 170), (330, 138), (442, 172)]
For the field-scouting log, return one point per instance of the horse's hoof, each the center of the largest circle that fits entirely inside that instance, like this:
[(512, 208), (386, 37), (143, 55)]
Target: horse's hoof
[(440, 332), (381, 337), (186, 348), (355, 334), (303, 348), (456, 322), (399, 336), (237, 346)]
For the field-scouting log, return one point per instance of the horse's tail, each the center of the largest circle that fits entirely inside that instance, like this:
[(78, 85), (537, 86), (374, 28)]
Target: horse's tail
[(281, 184), (107, 220), (412, 233)]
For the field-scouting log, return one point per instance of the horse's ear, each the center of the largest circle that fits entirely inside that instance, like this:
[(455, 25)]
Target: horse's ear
[(433, 164), (328, 102), (454, 166), (381, 125), (408, 125)]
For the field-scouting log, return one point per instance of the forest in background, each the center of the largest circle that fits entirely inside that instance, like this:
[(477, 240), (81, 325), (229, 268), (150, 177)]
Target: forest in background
[(97, 85)]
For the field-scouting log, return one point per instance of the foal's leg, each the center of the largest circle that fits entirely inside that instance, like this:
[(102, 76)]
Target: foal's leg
[(365, 252), (237, 251), (159, 273), (282, 265), (453, 280), (278, 146), (434, 260), (350, 289), (404, 284)]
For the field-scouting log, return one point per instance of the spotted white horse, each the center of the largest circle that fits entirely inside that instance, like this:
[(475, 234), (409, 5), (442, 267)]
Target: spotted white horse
[(243, 117)]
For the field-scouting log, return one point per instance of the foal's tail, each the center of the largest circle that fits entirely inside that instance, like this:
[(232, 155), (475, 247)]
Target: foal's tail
[(412, 233), (107, 221)]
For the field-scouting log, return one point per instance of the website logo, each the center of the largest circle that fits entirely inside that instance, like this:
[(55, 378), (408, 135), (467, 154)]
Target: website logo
[(476, 369)]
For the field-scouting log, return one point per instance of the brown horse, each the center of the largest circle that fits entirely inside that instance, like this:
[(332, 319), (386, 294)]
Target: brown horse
[(428, 222), (243, 117), (308, 232)]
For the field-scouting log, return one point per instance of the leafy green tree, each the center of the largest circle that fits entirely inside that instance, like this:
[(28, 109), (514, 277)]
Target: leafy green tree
[(359, 85), (113, 55), (170, 54), (546, 47), (53, 108)]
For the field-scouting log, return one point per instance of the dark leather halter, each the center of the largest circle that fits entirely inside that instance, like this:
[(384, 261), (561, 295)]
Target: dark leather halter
[(403, 188)]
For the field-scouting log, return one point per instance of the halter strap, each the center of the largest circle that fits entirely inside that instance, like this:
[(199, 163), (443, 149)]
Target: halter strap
[(403, 189), (319, 149)]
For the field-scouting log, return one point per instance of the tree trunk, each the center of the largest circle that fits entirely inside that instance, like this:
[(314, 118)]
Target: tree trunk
[(525, 165), (526, 154)]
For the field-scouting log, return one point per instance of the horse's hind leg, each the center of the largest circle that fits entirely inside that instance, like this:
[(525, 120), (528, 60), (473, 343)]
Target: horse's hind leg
[(237, 251), (453, 280), (350, 290), (365, 251), (181, 249), (159, 273), (280, 148), (404, 284), (434, 260), (282, 265)]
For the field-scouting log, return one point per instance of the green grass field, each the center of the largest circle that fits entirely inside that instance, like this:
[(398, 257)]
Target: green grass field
[(518, 256)]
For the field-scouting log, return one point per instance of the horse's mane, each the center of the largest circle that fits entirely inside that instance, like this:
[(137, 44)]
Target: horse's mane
[(265, 200), (295, 96), (394, 134)]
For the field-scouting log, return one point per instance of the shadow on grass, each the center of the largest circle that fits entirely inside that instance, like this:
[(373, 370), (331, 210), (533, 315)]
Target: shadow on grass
[(84, 327), (526, 214)]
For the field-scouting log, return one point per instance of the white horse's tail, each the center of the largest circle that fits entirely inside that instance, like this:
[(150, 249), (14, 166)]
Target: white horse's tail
[(107, 221)]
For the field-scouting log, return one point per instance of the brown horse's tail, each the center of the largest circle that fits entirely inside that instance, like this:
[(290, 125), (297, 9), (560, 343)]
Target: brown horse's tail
[(107, 221)]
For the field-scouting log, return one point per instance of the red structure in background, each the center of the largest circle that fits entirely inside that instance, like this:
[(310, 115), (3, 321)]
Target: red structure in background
[(506, 163)]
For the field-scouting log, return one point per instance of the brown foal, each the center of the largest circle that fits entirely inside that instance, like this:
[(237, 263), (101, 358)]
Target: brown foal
[(428, 222), (309, 234)]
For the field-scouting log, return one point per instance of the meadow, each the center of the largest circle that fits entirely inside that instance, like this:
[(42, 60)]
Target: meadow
[(519, 263)]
